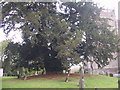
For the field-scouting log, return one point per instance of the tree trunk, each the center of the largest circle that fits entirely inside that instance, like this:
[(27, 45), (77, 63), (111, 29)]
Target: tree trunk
[(43, 71), (68, 75), (25, 76), (18, 75), (36, 72), (91, 67), (81, 82)]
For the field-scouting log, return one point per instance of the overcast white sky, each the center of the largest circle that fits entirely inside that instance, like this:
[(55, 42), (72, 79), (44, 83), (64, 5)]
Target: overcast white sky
[(108, 4)]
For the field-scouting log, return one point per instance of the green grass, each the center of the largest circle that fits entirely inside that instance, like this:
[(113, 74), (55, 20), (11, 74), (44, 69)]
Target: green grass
[(102, 82), (91, 81)]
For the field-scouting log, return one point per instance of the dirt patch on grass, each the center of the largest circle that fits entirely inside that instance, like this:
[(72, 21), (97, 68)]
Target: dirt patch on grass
[(55, 76)]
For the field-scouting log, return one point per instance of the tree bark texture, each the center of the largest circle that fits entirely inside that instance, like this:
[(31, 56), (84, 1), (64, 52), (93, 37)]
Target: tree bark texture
[(81, 82)]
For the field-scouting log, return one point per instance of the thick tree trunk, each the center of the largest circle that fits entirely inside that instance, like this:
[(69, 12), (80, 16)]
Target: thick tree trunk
[(68, 75)]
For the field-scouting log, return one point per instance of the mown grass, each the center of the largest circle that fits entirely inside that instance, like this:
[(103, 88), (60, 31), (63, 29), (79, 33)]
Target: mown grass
[(91, 81)]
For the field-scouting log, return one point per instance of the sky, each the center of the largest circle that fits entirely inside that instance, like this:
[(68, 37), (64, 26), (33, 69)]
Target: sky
[(107, 4)]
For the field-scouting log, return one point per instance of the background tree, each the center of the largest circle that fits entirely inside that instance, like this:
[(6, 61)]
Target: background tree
[(10, 56), (36, 32), (99, 41), (3, 45)]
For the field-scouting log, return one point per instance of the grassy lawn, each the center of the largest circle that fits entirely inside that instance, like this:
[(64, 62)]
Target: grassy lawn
[(91, 81)]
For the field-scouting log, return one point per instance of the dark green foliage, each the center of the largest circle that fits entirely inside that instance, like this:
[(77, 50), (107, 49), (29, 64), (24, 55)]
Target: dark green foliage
[(54, 40), (99, 40)]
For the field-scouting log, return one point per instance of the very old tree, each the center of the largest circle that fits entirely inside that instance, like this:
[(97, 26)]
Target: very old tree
[(54, 39), (43, 29), (37, 21)]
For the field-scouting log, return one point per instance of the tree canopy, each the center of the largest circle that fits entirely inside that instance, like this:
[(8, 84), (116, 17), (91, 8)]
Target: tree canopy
[(55, 40)]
